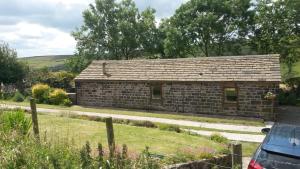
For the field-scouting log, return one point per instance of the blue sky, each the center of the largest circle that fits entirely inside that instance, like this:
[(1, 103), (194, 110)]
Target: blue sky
[(42, 27)]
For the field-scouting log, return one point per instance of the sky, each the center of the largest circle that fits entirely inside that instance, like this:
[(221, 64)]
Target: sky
[(43, 27)]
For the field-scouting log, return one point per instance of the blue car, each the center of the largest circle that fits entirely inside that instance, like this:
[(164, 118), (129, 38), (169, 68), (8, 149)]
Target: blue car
[(280, 149)]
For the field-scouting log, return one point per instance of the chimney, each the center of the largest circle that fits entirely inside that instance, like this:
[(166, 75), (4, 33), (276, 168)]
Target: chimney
[(104, 68)]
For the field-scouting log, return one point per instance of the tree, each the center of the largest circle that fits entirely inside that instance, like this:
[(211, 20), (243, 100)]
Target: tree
[(114, 30), (150, 37), (12, 71), (204, 26), (277, 29)]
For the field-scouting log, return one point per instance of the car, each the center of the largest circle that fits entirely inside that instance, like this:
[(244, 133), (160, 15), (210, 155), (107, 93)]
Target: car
[(280, 148)]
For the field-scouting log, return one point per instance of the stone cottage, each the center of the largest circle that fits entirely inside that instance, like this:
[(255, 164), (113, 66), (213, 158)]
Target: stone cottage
[(231, 85)]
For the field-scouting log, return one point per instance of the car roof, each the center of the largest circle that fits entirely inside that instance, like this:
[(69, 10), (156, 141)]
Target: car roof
[(283, 139)]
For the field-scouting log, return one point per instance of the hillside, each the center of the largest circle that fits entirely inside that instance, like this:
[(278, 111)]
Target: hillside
[(54, 62)]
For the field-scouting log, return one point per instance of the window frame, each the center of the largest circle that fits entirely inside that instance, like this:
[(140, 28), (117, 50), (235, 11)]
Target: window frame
[(227, 86), (226, 95), (153, 86)]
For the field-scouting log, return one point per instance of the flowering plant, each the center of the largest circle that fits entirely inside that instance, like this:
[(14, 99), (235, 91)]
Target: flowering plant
[(270, 96)]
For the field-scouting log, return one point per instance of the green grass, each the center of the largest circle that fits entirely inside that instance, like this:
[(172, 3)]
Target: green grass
[(55, 61), (228, 120), (249, 148), (77, 131)]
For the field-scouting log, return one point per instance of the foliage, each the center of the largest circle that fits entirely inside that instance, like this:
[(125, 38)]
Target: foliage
[(270, 96), (6, 95), (19, 150), (277, 29), (18, 97), (12, 71), (114, 30), (14, 121), (287, 98), (218, 138), (77, 63), (59, 97), (203, 27), (169, 127), (60, 79), (41, 92), (24, 152), (148, 124)]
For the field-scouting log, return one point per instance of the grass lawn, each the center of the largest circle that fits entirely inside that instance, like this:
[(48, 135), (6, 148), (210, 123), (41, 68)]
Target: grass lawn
[(229, 120), (77, 131), (249, 148)]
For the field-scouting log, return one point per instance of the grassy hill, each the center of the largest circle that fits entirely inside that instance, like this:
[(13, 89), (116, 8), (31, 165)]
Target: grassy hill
[(54, 62)]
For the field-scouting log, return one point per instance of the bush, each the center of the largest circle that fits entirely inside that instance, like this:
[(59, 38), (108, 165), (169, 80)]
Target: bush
[(15, 121), (147, 124), (6, 95), (169, 127), (67, 102), (287, 98), (218, 138), (18, 97), (40, 92), (59, 97)]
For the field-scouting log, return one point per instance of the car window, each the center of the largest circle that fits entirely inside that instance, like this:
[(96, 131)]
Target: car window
[(277, 161)]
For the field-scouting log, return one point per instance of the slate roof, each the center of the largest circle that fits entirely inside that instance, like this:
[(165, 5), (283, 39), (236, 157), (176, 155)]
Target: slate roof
[(225, 68)]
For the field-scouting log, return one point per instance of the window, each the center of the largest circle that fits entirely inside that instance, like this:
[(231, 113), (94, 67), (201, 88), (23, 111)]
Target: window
[(230, 94), (156, 92)]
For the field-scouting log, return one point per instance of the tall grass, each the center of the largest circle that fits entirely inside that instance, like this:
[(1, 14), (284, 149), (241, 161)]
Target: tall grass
[(18, 149)]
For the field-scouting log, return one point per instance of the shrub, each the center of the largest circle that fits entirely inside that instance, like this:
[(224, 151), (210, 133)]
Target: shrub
[(15, 121), (40, 92), (59, 97), (218, 138), (18, 97), (67, 102), (148, 124), (287, 98), (6, 95), (169, 127)]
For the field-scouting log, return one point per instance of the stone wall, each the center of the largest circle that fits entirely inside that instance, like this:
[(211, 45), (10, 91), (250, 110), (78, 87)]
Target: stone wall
[(224, 161), (184, 97)]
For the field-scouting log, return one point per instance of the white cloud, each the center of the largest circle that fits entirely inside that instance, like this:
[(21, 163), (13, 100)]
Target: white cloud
[(34, 39), (42, 27)]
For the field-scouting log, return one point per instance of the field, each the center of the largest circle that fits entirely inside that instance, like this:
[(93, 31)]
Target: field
[(208, 119), (77, 131), (55, 62)]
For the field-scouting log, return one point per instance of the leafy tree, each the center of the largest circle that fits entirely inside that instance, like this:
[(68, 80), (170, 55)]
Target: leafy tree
[(204, 26), (150, 36), (11, 70), (114, 30), (277, 29)]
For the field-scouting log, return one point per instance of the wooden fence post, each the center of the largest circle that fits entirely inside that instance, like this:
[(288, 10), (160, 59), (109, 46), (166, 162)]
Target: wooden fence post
[(237, 159), (35, 124), (110, 136)]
